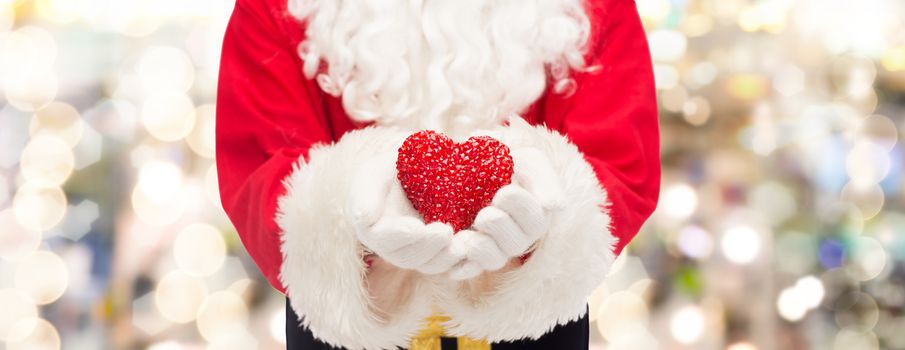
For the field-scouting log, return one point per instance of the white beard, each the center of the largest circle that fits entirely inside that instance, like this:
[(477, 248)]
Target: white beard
[(447, 65)]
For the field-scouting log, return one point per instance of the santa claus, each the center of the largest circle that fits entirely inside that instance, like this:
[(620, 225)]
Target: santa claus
[(315, 98)]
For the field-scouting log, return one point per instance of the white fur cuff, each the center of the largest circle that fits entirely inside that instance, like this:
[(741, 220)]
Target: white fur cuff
[(568, 263), (323, 271)]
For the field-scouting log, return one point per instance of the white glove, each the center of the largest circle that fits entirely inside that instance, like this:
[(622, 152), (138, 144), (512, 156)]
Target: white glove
[(388, 225), (516, 218)]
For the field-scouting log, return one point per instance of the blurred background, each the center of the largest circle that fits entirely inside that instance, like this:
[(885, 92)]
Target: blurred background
[(780, 224)]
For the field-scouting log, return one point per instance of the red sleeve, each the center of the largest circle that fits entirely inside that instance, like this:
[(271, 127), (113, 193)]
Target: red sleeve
[(612, 116), (268, 115)]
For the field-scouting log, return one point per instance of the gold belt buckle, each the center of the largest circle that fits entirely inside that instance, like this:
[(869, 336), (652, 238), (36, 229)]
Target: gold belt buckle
[(429, 337)]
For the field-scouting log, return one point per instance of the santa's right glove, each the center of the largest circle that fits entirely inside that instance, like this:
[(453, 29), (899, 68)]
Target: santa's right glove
[(388, 225)]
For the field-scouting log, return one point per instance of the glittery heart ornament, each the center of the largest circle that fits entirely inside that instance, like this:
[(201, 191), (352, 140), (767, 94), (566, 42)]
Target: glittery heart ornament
[(448, 181)]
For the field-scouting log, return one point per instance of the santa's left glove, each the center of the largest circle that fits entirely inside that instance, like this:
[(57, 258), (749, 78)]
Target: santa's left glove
[(518, 216), (386, 223)]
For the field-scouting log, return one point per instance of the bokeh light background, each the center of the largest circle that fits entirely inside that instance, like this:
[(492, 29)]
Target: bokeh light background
[(780, 225)]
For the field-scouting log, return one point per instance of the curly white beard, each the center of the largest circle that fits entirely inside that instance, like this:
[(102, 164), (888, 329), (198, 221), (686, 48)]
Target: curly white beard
[(447, 65)]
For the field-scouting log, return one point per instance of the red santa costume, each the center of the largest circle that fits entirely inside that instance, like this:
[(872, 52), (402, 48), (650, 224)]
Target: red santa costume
[(317, 95)]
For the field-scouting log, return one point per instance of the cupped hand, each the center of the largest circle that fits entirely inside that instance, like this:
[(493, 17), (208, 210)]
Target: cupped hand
[(386, 223), (517, 218)]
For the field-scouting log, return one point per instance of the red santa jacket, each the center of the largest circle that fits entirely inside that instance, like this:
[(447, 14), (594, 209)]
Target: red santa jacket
[(269, 115)]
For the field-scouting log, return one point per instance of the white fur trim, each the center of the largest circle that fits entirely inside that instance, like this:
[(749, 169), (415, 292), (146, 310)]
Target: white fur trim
[(569, 262), (323, 271)]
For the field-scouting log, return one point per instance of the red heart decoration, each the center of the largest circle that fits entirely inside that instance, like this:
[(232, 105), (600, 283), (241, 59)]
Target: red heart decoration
[(450, 182)]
